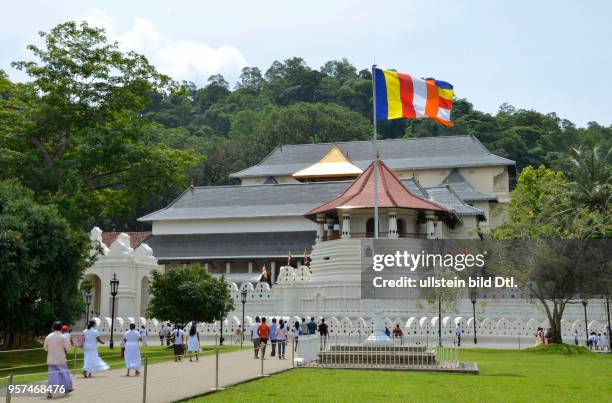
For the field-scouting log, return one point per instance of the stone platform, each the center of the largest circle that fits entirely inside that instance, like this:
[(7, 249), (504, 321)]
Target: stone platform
[(398, 358)]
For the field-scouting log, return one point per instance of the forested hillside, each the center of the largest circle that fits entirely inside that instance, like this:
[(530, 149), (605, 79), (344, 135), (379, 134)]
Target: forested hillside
[(292, 103)]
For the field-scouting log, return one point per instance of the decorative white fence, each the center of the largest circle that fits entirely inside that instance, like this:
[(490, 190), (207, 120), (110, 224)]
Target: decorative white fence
[(489, 330)]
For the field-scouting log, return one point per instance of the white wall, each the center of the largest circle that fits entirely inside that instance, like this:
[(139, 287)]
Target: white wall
[(234, 225)]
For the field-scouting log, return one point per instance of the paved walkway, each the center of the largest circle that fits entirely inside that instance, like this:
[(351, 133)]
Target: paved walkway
[(170, 381)]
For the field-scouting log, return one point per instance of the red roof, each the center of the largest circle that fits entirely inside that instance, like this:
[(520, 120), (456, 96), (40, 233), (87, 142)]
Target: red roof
[(136, 238), (391, 193)]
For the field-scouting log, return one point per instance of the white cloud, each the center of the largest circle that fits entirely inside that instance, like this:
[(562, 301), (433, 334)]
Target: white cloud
[(181, 59)]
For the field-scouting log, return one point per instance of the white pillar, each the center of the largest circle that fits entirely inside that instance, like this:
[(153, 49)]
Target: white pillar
[(228, 266), (393, 225), (430, 226), (329, 225), (320, 228), (346, 225), (206, 267), (273, 272), (250, 267)]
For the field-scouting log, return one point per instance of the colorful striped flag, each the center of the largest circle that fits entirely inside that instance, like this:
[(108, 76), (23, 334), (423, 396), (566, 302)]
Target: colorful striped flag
[(399, 95)]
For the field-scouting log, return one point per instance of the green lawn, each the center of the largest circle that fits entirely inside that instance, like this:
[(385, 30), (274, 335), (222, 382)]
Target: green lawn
[(36, 366), (505, 376)]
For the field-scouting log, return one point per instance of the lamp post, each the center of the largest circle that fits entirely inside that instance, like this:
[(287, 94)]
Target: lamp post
[(439, 320), (609, 325), (114, 283), (221, 329), (473, 299), (243, 298), (585, 302), (88, 303)]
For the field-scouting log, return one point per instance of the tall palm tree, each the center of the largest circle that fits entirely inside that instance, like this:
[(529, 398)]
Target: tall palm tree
[(591, 176)]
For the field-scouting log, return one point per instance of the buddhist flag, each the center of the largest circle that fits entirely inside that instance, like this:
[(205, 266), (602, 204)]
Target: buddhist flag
[(400, 95)]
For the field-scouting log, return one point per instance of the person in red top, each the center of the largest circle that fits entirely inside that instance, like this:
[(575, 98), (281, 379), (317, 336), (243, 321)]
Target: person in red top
[(264, 334), (398, 334)]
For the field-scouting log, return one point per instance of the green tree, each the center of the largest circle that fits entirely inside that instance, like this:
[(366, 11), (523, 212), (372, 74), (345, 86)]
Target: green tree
[(185, 294), (306, 123), (42, 260), (75, 133)]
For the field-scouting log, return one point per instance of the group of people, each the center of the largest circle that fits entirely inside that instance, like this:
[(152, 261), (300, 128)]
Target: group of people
[(597, 341), (59, 342), (275, 333)]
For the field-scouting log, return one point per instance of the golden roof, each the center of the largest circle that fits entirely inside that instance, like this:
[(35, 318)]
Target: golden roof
[(333, 164)]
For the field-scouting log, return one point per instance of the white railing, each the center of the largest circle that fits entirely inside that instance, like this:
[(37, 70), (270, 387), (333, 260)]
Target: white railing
[(413, 352)]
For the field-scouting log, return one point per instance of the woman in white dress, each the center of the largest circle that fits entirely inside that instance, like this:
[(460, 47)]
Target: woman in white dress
[(131, 339), (92, 362), (193, 342)]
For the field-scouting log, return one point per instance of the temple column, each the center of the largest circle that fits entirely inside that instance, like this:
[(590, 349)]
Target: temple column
[(431, 226), (346, 225), (272, 272), (228, 266), (320, 228), (393, 225), (206, 267), (329, 225), (250, 267)]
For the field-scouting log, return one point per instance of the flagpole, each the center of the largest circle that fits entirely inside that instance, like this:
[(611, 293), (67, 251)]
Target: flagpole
[(375, 152)]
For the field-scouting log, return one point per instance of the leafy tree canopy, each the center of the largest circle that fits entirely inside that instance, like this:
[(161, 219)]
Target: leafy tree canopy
[(188, 294), (42, 260), (74, 133)]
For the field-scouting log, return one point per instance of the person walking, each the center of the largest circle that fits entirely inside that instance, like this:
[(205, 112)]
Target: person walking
[(576, 338), (255, 336), (144, 335), (273, 328), (387, 332), (56, 346), (238, 334), (66, 333), (304, 327), (168, 334), (297, 331), (458, 332), (312, 326), (281, 339), (131, 356), (398, 334), (323, 332), (264, 334), (92, 362), (162, 335), (193, 342), (178, 337)]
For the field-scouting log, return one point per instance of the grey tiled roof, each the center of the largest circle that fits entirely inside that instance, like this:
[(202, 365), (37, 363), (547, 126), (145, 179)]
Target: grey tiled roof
[(249, 201), (235, 245), (416, 153), (445, 196), (464, 190)]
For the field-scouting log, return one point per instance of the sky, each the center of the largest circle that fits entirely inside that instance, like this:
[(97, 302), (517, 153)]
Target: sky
[(550, 56)]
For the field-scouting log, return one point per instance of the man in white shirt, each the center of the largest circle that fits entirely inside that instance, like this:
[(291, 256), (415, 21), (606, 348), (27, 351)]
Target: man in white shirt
[(144, 334), (56, 346), (178, 336), (255, 336)]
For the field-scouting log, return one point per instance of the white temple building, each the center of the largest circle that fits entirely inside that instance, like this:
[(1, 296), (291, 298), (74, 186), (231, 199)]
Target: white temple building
[(317, 199)]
